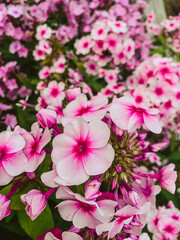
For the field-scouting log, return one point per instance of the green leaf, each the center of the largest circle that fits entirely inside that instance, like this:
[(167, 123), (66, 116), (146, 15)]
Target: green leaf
[(171, 197), (37, 227), (174, 156)]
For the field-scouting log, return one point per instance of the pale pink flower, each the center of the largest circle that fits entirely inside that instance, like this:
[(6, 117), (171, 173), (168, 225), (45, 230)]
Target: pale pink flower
[(44, 45), (91, 67), (14, 47), (123, 216), (39, 54), (83, 45), (92, 189), (118, 26), (129, 48), (82, 150), (59, 65), (82, 212), (169, 228), (44, 72), (89, 110), (35, 141), (54, 90), (99, 30), (43, 32), (35, 202), (167, 178), (128, 116), (4, 206), (12, 159), (15, 11)]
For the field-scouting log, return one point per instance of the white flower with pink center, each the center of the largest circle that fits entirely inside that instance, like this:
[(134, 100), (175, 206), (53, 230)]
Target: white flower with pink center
[(12, 159), (44, 45), (15, 11), (112, 41), (59, 65), (91, 67), (89, 110), (170, 25), (129, 48), (118, 26), (35, 141), (44, 72), (54, 91), (119, 55), (100, 30), (43, 32), (83, 45), (169, 228), (82, 212), (39, 54), (127, 115), (123, 216), (99, 46), (82, 150), (111, 75)]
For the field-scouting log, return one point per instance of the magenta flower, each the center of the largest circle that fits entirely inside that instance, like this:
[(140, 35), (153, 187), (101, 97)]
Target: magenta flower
[(12, 159), (82, 212), (128, 116), (167, 178), (35, 202), (35, 141), (82, 150), (4, 206)]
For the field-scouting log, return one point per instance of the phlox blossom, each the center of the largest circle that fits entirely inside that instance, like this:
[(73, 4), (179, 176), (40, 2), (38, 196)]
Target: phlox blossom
[(82, 150), (12, 159), (127, 115), (89, 110), (82, 212)]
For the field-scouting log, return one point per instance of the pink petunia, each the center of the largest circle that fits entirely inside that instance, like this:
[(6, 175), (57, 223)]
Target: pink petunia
[(128, 116)]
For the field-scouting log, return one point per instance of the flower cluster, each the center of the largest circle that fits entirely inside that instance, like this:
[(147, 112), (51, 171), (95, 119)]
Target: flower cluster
[(92, 145), (158, 81), (169, 30)]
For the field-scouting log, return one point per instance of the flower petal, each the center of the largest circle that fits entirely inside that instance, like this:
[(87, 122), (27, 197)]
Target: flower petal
[(152, 123)]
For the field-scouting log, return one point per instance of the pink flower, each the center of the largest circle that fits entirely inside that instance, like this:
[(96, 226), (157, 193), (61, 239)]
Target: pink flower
[(71, 94), (14, 47), (169, 228), (57, 234), (99, 30), (4, 206), (83, 45), (47, 118), (54, 91), (92, 189), (82, 150), (15, 11), (167, 178), (128, 116), (118, 26), (12, 159), (123, 216), (89, 110), (81, 212), (44, 72), (35, 141), (43, 32), (35, 202), (59, 65)]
